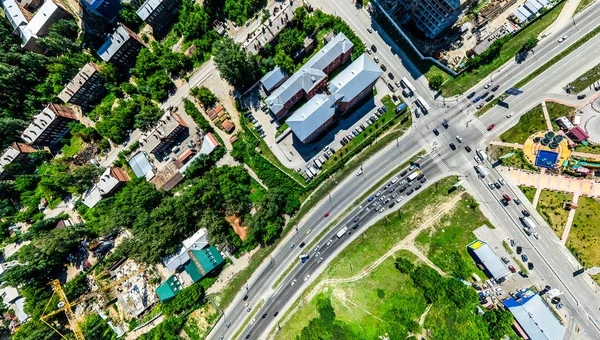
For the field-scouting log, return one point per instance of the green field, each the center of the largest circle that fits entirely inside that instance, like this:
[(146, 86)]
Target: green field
[(528, 192), (386, 233), (529, 123), (585, 234), (469, 78), (590, 148), (73, 147), (517, 160), (556, 110), (583, 4), (550, 206), (585, 80), (445, 243)]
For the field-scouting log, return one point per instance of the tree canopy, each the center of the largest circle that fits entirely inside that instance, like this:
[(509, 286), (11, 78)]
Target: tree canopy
[(239, 68)]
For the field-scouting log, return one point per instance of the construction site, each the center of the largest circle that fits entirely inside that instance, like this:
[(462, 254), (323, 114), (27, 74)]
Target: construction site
[(455, 34), (118, 294)]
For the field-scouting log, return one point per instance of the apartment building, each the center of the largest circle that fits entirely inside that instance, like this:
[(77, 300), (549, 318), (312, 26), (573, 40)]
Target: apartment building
[(85, 88), (121, 47), (159, 14), (49, 126)]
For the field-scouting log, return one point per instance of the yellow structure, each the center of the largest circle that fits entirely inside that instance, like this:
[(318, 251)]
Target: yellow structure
[(534, 144)]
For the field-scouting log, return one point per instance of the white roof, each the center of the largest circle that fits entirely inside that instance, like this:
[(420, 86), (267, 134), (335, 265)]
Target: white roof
[(533, 6), (489, 259), (209, 143), (195, 242), (114, 43), (8, 156), (106, 183), (19, 308), (355, 78), (519, 16), (312, 115), (310, 73), (535, 317), (273, 77), (14, 14), (9, 294), (39, 20), (147, 8), (140, 164), (78, 80)]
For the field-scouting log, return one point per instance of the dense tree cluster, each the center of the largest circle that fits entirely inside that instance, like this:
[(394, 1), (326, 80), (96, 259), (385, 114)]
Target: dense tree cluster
[(240, 11), (204, 95), (239, 68), (29, 80)]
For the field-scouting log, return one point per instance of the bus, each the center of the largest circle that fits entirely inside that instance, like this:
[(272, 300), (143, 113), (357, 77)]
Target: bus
[(481, 154), (414, 175), (422, 104), (408, 87)]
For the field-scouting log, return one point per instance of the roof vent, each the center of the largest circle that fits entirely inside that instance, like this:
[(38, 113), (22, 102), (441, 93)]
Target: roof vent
[(313, 79)]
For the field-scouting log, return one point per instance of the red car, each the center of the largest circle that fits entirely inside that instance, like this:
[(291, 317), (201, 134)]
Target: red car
[(512, 269), (491, 127), (326, 214), (506, 197)]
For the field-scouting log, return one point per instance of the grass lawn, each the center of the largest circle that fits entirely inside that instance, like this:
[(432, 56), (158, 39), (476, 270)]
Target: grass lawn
[(584, 235), (550, 206), (585, 80), (582, 5), (529, 192), (590, 148), (281, 129), (257, 191), (73, 147), (445, 243), (529, 123), (383, 235), (517, 160), (471, 77), (556, 110)]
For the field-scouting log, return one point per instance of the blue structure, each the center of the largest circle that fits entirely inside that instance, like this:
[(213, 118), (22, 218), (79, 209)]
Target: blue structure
[(534, 316), (106, 8), (546, 159)]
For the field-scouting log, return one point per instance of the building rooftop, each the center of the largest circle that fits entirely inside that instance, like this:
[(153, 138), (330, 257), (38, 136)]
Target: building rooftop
[(109, 180), (168, 289), (141, 166), (12, 152), (272, 78), (203, 262), (162, 129), (355, 78), (227, 125), (168, 177), (489, 259), (579, 134), (75, 84), (42, 120), (115, 41), (14, 14), (147, 8), (534, 316), (310, 73), (312, 115), (38, 23), (209, 143), (195, 242)]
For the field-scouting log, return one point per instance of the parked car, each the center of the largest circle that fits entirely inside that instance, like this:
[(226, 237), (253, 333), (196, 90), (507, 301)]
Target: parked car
[(471, 95), (383, 67), (436, 132)]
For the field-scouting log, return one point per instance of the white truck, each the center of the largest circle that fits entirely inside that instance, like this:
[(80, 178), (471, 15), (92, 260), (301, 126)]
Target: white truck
[(528, 222), (318, 163), (482, 170), (414, 175), (481, 154), (409, 90), (312, 171), (342, 232)]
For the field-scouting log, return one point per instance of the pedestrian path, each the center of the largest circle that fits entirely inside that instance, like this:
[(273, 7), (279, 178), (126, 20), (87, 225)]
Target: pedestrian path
[(536, 197), (565, 234), (572, 185), (546, 116), (510, 145), (479, 125), (586, 155)]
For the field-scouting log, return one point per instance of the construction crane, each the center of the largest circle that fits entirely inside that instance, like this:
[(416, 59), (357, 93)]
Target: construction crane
[(67, 306)]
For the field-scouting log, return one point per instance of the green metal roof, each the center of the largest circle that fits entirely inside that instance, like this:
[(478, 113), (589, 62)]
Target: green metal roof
[(168, 289), (203, 262)]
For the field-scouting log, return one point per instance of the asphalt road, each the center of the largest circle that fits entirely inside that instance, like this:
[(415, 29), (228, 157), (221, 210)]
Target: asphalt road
[(553, 262)]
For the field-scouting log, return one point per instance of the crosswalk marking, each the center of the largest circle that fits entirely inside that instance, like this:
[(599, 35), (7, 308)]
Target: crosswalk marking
[(468, 164), (425, 145), (479, 125), (435, 156)]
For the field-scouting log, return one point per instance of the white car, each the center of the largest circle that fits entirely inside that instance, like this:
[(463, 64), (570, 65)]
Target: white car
[(509, 115), (376, 60), (329, 242), (399, 199), (487, 86), (491, 185), (360, 172), (369, 30), (293, 282), (563, 38), (369, 51), (459, 139), (394, 180), (536, 235), (306, 277)]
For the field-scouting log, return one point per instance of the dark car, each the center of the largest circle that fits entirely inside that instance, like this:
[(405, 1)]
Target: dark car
[(445, 124), (519, 249), (452, 146), (420, 177), (523, 274), (476, 99), (248, 336), (471, 95), (403, 173), (530, 266), (383, 67), (418, 187), (423, 180), (391, 75), (581, 96), (468, 148), (374, 48), (524, 257), (488, 99), (525, 213), (495, 88), (409, 192), (485, 94), (391, 87), (245, 298), (392, 205), (436, 132), (402, 189), (276, 313), (264, 315), (302, 245)]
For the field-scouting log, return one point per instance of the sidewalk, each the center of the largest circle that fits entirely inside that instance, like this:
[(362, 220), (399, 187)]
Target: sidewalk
[(510, 145), (564, 18), (578, 186), (565, 234), (546, 116)]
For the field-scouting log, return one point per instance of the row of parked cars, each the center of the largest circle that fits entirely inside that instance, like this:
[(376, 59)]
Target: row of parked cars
[(486, 95), (357, 130)]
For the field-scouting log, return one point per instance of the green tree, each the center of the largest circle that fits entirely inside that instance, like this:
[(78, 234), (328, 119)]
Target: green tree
[(147, 116), (499, 323), (236, 66), (436, 81), (9, 129), (94, 327), (61, 37), (205, 96), (529, 44)]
